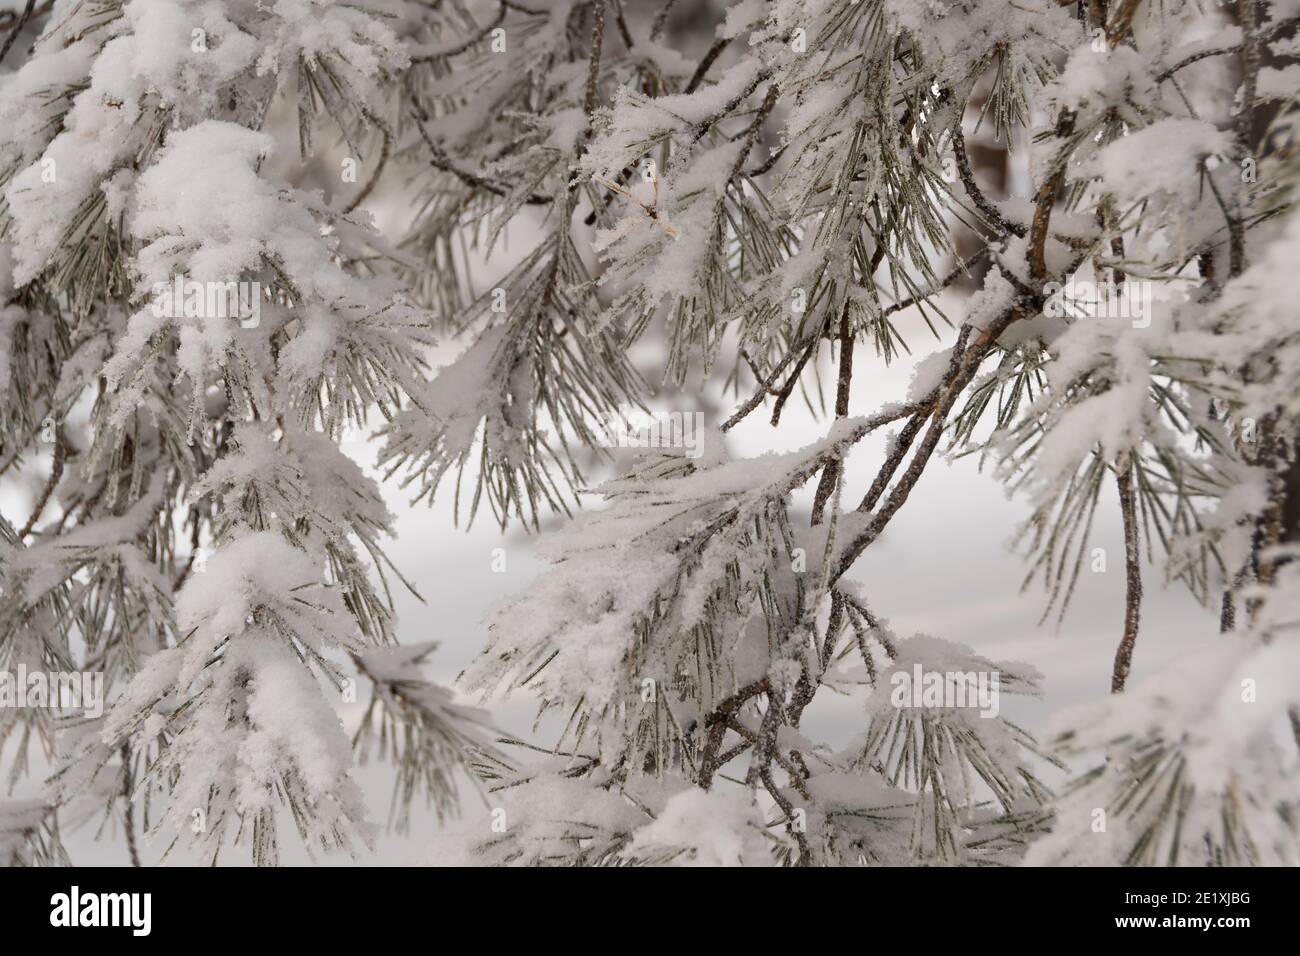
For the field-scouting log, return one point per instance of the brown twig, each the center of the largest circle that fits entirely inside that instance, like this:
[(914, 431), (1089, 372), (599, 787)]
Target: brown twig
[(990, 212), (621, 21), (763, 391), (703, 68), (1044, 200), (1132, 574), (716, 725), (366, 190), (965, 363), (831, 473), (783, 395)]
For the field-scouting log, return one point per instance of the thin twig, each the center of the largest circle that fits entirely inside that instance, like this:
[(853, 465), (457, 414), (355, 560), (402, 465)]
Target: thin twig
[(1044, 200), (990, 212), (17, 28), (593, 68), (427, 56), (716, 725), (440, 160), (56, 475), (764, 387), (814, 341), (831, 473), (1132, 575), (128, 806), (661, 20), (1267, 36), (962, 369), (960, 269), (384, 152), (698, 76), (1247, 13)]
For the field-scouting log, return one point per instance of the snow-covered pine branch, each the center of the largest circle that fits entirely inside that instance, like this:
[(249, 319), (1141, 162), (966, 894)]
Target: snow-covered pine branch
[(791, 181), (798, 181), (189, 333)]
